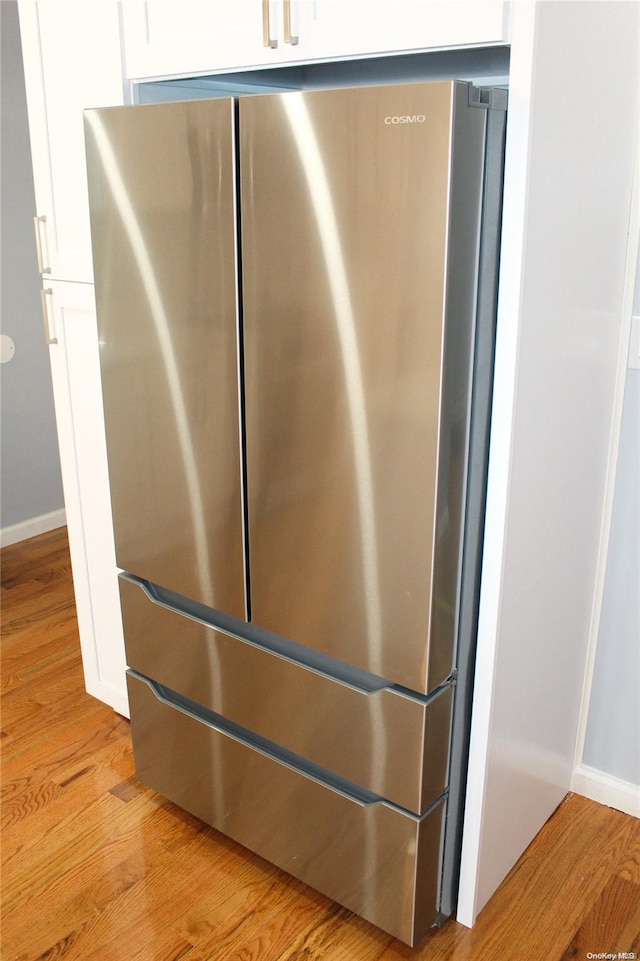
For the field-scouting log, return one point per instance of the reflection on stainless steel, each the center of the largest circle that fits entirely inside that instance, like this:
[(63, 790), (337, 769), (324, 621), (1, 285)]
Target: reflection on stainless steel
[(122, 204), (166, 311), (357, 393), (306, 143), (319, 733), (374, 858)]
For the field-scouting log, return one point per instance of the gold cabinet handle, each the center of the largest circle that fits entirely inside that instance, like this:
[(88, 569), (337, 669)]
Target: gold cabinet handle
[(288, 37), (50, 339), (266, 28), (39, 222)]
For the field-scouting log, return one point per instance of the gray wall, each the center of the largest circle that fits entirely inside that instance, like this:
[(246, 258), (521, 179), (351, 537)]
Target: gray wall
[(612, 741), (30, 467)]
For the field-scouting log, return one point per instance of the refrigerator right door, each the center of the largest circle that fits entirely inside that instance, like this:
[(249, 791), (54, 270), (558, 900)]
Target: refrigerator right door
[(360, 220)]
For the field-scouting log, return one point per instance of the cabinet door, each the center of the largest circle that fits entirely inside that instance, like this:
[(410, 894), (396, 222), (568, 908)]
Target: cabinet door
[(164, 38), (71, 325), (71, 60), (343, 28)]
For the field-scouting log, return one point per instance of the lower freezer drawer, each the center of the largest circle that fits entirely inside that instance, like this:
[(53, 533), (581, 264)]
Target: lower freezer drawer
[(385, 740), (374, 858)]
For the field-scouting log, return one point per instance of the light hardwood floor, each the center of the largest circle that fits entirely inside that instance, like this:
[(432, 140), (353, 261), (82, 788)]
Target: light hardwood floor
[(98, 868)]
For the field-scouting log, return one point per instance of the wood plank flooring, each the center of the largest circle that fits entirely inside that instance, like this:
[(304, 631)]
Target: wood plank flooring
[(98, 868)]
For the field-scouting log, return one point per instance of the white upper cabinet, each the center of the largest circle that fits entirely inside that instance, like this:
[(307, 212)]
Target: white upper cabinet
[(341, 28), (72, 60), (165, 38)]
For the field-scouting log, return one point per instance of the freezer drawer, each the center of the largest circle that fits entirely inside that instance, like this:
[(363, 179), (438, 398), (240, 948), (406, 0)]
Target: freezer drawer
[(371, 857), (384, 740)]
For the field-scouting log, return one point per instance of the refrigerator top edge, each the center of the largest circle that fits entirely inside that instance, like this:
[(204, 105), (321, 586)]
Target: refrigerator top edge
[(495, 100)]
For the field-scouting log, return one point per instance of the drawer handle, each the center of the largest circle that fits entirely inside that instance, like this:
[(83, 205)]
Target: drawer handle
[(38, 224), (266, 27), (44, 294), (288, 37), (274, 752)]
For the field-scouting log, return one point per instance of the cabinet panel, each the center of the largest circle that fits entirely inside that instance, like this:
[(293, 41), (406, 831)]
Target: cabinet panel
[(72, 61), (78, 401), (335, 28), (571, 141), (164, 38)]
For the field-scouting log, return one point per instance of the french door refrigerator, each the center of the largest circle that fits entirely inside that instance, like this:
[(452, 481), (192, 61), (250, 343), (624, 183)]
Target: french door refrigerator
[(296, 297)]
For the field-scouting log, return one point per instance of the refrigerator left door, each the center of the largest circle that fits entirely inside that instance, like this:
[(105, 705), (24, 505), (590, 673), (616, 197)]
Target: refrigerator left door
[(163, 225)]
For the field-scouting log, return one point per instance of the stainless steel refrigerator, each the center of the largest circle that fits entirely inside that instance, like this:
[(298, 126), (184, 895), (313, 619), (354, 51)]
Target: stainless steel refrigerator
[(296, 298)]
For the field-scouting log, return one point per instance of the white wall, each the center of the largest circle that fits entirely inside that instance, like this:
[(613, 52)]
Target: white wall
[(30, 469)]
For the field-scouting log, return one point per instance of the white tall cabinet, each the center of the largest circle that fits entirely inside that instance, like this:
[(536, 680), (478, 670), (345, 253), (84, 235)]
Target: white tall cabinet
[(564, 283), (71, 323), (71, 55)]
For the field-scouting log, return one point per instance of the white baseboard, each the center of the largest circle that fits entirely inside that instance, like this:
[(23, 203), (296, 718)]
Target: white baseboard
[(31, 527), (609, 790)]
